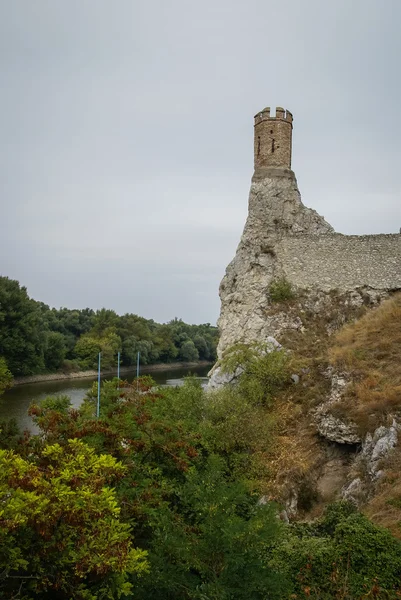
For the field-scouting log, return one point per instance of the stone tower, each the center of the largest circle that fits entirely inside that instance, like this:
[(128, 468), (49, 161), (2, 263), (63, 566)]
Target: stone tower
[(275, 213), (273, 139)]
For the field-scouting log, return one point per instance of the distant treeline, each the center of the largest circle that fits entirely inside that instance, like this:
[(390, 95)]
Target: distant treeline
[(35, 338)]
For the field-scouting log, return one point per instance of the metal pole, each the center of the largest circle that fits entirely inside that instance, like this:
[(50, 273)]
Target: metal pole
[(98, 387), (118, 371), (137, 371)]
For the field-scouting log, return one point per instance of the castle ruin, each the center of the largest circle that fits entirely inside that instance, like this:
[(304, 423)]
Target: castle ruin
[(283, 239)]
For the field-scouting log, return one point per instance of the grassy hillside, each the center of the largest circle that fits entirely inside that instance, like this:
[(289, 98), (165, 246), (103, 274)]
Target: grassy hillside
[(370, 351), (338, 335)]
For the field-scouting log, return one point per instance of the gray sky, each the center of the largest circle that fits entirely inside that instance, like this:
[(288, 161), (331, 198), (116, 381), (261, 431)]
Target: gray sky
[(127, 131)]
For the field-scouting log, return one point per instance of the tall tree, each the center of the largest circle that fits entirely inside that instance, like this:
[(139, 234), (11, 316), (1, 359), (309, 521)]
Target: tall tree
[(6, 377), (22, 329)]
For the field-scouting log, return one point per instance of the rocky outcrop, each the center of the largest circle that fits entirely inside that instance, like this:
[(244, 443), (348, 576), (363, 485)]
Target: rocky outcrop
[(376, 448), (283, 239), (329, 426), (275, 209), (331, 277), (218, 378)]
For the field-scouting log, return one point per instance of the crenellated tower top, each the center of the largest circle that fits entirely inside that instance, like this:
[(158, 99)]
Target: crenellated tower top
[(273, 138)]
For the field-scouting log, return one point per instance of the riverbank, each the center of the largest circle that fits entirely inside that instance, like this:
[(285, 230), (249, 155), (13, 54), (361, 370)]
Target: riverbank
[(91, 374)]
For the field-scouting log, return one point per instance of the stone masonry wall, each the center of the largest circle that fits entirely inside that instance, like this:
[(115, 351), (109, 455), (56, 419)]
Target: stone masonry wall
[(342, 262), (273, 139), (283, 238)]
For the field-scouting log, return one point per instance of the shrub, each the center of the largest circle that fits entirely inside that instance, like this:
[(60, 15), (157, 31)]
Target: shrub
[(341, 556), (69, 366), (281, 290), (264, 370)]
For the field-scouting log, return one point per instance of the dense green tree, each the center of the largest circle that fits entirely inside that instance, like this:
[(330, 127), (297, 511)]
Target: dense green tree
[(87, 351), (35, 338), (88, 347), (204, 532), (103, 320), (131, 325), (164, 344), (70, 323), (201, 346), (55, 351), (61, 535), (22, 329), (212, 543), (191, 498), (6, 378), (110, 344), (343, 555), (131, 347), (130, 350), (188, 351)]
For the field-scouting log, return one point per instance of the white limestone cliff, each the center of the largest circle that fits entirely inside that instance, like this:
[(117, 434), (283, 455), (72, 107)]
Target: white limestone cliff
[(275, 210)]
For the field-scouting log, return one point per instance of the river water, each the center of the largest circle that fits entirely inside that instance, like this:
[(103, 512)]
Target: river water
[(15, 402)]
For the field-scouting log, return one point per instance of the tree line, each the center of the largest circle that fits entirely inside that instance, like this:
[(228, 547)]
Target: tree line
[(35, 338)]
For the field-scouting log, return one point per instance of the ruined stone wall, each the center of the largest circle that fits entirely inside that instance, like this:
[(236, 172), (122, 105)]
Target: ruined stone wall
[(283, 238), (342, 262), (273, 139)]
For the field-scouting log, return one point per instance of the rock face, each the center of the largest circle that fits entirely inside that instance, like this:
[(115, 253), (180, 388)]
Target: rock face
[(330, 427), (376, 447), (283, 239), (275, 210)]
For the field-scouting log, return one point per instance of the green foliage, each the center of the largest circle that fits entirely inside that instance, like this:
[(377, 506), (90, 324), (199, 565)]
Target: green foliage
[(281, 290), (188, 351), (202, 528), (60, 529), (22, 331), (261, 370), (10, 435), (213, 546), (55, 350), (87, 351), (342, 556), (50, 412), (88, 347), (132, 345), (184, 468), (36, 339), (6, 378)]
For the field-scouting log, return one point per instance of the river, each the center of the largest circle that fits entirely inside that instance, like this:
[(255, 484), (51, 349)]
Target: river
[(15, 402)]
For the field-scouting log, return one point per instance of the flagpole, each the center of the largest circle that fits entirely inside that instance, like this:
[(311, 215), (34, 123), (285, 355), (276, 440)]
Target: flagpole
[(137, 371), (118, 371), (98, 387)]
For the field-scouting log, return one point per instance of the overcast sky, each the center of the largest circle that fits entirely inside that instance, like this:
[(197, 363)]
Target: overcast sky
[(126, 137)]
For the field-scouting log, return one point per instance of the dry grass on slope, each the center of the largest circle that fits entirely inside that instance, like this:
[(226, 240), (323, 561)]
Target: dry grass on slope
[(297, 453), (385, 507), (370, 351)]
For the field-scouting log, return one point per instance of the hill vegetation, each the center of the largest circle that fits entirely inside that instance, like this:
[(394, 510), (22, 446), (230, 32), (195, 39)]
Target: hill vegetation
[(160, 498), (37, 339), (176, 494), (369, 350)]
